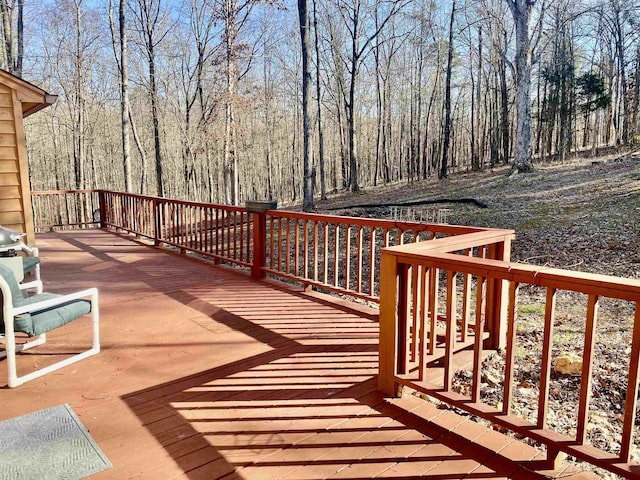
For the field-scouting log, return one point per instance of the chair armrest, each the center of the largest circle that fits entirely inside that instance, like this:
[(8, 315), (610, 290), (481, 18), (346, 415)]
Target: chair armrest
[(53, 302), (37, 284), (29, 250)]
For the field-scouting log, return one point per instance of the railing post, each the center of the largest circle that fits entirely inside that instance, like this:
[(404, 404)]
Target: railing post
[(258, 211), (498, 297), (388, 337), (102, 206), (157, 227)]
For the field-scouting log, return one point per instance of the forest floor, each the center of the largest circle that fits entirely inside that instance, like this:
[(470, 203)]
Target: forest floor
[(577, 215)]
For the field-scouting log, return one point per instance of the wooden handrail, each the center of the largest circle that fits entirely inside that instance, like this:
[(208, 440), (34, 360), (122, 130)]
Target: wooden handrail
[(409, 308)]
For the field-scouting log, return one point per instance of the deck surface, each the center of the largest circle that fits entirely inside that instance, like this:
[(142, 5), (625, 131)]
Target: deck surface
[(206, 374)]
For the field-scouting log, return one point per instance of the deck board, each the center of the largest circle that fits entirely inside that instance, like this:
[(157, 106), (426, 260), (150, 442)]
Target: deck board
[(207, 374)]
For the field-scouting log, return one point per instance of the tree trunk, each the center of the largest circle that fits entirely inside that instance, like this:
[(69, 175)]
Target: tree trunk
[(303, 17), (447, 99), (124, 98), (323, 181), (521, 11)]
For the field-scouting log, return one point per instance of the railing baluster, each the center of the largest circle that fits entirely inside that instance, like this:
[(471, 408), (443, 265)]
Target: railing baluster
[(403, 312), (545, 370), (466, 301), (478, 340), (336, 257), (235, 234), (424, 306), (296, 246), (587, 366), (326, 252), (434, 285), (631, 400), (450, 330), (280, 264), (315, 251), (347, 258), (416, 300), (507, 398), (287, 245), (359, 261), (272, 240), (305, 236), (372, 260)]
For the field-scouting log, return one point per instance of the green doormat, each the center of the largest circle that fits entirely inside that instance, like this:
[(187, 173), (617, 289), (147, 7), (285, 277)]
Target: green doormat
[(50, 444)]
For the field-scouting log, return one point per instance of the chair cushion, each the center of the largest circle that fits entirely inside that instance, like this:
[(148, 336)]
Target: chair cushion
[(43, 321), (16, 293), (29, 263)]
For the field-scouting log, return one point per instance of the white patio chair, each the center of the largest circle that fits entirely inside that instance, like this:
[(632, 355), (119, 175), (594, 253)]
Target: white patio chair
[(38, 314)]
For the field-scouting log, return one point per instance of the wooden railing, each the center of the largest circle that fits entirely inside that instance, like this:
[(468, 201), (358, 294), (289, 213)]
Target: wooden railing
[(65, 209), (411, 306), (339, 254), (220, 232)]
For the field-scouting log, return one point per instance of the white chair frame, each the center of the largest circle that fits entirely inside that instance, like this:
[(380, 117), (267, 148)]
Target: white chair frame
[(11, 312), (31, 252)]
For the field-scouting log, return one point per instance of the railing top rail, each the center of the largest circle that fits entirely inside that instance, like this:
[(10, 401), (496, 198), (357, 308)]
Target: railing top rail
[(376, 222), (472, 239), (582, 282), (58, 192)]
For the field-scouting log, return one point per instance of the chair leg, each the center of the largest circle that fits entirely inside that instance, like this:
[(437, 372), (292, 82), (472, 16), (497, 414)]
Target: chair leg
[(27, 345)]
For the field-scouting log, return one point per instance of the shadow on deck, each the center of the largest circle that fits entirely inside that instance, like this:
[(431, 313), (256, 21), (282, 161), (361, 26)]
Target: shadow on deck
[(206, 374)]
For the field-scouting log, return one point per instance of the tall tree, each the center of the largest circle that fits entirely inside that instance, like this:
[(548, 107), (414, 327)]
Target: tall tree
[(447, 98), (12, 35), (120, 41), (521, 11), (355, 17), (303, 17), (149, 16)]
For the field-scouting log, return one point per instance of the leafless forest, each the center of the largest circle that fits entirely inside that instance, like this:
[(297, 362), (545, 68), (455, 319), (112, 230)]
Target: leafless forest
[(202, 99)]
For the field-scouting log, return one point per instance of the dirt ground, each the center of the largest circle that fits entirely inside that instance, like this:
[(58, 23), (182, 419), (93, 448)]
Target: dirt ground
[(580, 216)]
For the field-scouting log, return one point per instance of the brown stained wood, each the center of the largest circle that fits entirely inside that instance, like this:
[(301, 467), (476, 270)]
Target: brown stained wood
[(372, 260), (477, 344), (587, 368), (347, 257), (434, 285), (235, 235), (305, 272), (424, 315), (547, 345), (279, 264), (287, 248), (336, 253), (402, 318), (214, 373), (466, 301), (512, 317), (315, 251), (450, 330), (296, 247), (359, 260), (325, 252), (272, 240), (631, 400), (416, 290), (387, 344)]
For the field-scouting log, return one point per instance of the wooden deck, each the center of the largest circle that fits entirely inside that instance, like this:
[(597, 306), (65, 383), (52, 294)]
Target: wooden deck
[(206, 374)]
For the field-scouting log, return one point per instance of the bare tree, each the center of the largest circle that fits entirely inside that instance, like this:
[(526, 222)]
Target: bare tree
[(149, 17), (12, 35), (447, 98), (123, 69), (354, 15), (521, 11), (303, 16)]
